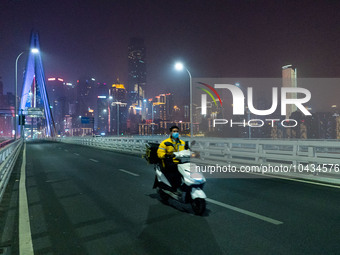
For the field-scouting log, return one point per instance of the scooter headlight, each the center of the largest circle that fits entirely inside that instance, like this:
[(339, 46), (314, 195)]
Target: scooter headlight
[(197, 177)]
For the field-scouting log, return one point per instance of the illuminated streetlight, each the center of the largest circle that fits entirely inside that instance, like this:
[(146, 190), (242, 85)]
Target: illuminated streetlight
[(179, 67), (35, 50)]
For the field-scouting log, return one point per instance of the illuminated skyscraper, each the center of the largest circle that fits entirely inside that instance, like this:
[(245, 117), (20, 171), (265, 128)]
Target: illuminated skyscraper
[(86, 98), (289, 79), (118, 109), (57, 99), (118, 93), (136, 72)]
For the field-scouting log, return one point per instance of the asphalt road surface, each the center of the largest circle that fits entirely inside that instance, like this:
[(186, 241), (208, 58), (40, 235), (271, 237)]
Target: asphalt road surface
[(89, 201)]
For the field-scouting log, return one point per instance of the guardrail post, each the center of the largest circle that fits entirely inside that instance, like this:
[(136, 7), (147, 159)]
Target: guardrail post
[(312, 154), (294, 152), (262, 157), (226, 152)]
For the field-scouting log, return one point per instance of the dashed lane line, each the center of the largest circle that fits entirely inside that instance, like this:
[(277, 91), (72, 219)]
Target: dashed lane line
[(128, 172), (251, 214)]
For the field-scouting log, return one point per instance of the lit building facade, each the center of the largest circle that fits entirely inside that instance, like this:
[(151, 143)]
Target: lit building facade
[(289, 79), (118, 110), (136, 72), (102, 110), (6, 113), (86, 97), (58, 102)]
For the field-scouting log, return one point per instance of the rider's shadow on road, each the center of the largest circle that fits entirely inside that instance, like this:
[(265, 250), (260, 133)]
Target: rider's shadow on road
[(178, 205), (170, 231)]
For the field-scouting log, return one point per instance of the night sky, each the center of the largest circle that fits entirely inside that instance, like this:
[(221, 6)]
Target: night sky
[(214, 38)]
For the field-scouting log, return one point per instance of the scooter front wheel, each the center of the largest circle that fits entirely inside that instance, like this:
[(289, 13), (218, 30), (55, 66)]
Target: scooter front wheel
[(198, 205)]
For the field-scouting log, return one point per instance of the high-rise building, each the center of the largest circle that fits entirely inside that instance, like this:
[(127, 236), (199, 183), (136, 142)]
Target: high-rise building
[(6, 112), (86, 98), (102, 109), (164, 106), (136, 72), (289, 79), (118, 93), (57, 100), (118, 109)]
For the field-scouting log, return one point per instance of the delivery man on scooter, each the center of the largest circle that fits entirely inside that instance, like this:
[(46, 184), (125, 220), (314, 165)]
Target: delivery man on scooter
[(166, 153)]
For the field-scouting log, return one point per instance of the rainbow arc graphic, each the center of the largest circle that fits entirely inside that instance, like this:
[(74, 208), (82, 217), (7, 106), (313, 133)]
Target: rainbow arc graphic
[(204, 97)]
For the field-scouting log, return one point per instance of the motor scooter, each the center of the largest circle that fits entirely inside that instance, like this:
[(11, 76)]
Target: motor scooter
[(191, 189)]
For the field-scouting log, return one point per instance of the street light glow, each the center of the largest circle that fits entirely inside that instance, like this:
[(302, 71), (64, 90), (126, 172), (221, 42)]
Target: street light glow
[(179, 66), (34, 50)]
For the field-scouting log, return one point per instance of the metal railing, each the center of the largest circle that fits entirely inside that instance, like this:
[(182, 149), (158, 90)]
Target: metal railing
[(255, 152), (303, 157), (134, 145), (8, 157), (4, 142)]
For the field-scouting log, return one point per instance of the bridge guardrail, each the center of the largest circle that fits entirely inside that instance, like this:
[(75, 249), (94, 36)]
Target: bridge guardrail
[(8, 157), (5, 142), (256, 152), (304, 154)]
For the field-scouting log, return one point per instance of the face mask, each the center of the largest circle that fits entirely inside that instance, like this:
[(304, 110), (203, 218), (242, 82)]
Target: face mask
[(175, 135)]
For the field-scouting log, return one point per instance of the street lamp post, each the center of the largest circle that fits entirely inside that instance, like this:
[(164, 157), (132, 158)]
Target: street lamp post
[(152, 115), (237, 84), (179, 66), (117, 119), (16, 95)]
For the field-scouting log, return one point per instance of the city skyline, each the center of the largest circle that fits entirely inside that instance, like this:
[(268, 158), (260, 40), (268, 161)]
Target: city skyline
[(229, 39)]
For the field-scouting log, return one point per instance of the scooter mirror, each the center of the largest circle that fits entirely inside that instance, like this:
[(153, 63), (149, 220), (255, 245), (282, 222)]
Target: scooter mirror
[(186, 146)]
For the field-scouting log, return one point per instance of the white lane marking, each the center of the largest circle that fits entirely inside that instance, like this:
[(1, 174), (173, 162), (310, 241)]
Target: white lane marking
[(25, 236), (93, 160), (128, 172), (251, 214), (76, 154)]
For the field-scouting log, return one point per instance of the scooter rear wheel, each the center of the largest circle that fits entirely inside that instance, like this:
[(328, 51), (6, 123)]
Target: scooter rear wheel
[(198, 206)]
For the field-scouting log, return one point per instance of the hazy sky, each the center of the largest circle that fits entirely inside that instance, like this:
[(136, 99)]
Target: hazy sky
[(215, 38)]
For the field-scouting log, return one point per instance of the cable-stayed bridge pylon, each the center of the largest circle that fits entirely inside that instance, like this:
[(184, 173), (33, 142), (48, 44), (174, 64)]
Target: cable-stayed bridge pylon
[(34, 100)]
